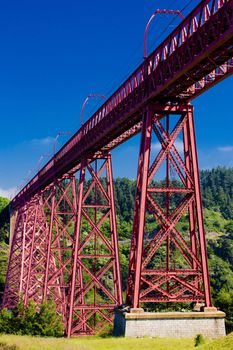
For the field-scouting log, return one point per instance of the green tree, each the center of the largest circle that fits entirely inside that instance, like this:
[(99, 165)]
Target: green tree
[(50, 323), (4, 219), (224, 301), (41, 320)]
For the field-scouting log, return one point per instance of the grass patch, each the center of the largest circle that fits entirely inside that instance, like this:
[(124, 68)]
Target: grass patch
[(4, 346), (224, 343), (97, 343)]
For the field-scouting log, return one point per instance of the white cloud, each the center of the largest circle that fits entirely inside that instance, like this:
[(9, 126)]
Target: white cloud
[(156, 146), (8, 193), (213, 157), (45, 141), (225, 149), (178, 144)]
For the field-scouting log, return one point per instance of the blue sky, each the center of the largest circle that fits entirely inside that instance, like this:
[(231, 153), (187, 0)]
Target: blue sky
[(54, 53)]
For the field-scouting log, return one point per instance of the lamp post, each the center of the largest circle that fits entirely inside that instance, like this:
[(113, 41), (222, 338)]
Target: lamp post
[(170, 12), (38, 162), (57, 137), (86, 101), (41, 158)]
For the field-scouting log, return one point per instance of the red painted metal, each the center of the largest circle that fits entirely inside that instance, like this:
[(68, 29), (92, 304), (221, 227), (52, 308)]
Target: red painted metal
[(13, 283), (34, 262), (26, 263), (171, 267), (59, 206), (95, 288), (65, 249), (140, 206)]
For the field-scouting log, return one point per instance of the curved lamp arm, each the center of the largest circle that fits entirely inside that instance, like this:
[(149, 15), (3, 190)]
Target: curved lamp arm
[(39, 161), (170, 12), (57, 137), (85, 102), (41, 158)]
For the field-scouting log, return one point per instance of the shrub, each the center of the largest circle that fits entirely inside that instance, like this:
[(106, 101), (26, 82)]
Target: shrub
[(5, 321), (107, 332), (229, 326), (49, 322), (40, 320), (199, 340)]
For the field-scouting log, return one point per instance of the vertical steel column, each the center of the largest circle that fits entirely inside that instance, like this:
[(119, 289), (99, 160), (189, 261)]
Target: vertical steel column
[(23, 256), (140, 210), (192, 219), (59, 207), (36, 252), (78, 216), (31, 248), (114, 238), (76, 232), (168, 171), (13, 284), (49, 242), (199, 211)]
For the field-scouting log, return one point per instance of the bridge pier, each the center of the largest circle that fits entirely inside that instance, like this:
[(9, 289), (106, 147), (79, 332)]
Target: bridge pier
[(65, 248), (13, 282), (59, 199), (27, 254), (172, 267), (169, 324), (95, 284)]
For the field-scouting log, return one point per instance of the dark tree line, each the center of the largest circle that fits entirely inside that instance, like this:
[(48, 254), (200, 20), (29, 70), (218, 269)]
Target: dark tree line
[(216, 185), (217, 190)]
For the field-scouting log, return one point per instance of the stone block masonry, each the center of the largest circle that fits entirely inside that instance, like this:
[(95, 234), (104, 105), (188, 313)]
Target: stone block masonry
[(169, 324)]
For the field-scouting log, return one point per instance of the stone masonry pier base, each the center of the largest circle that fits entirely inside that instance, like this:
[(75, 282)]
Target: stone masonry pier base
[(138, 323)]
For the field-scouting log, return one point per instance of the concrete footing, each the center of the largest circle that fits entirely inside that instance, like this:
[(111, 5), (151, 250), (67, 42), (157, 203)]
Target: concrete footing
[(136, 323)]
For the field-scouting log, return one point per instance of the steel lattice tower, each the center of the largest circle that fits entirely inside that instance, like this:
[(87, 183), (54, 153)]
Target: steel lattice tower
[(182, 274)]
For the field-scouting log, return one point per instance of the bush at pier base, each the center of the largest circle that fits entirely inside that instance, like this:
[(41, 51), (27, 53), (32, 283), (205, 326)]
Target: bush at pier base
[(32, 321)]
